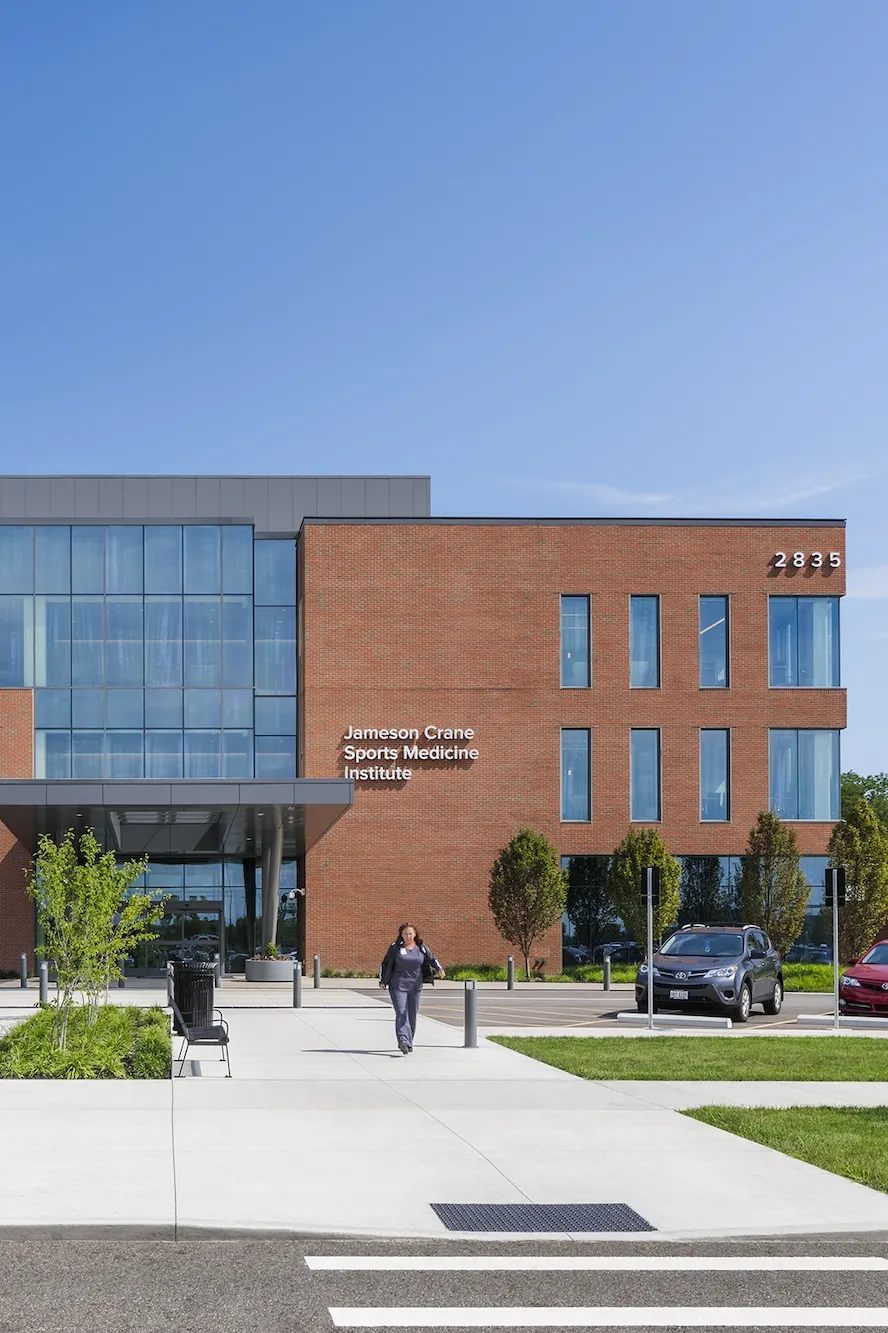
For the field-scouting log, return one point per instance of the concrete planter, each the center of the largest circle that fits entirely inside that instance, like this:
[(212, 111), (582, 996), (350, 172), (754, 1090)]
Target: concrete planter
[(269, 969)]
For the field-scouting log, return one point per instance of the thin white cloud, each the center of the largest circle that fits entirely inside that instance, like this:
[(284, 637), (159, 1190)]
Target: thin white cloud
[(591, 490), (754, 498), (871, 583)]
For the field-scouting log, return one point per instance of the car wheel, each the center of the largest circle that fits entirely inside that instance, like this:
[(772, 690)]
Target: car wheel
[(642, 1006), (775, 1004), (741, 1012)]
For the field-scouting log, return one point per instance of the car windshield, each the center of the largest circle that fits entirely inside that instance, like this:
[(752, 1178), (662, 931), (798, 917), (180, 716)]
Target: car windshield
[(877, 954), (698, 945)]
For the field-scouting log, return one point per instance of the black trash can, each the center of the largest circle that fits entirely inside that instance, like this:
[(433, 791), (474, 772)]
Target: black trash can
[(193, 992)]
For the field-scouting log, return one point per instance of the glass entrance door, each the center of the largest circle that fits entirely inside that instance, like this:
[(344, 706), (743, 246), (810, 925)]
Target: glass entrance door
[(188, 933)]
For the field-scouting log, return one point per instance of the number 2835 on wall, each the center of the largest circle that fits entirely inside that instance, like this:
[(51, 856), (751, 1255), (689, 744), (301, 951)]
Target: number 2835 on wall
[(799, 559)]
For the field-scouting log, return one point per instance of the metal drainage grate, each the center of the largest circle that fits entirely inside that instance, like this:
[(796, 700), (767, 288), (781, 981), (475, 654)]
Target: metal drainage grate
[(540, 1217)]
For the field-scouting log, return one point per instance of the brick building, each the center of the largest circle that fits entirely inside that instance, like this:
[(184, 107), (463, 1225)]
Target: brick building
[(313, 686)]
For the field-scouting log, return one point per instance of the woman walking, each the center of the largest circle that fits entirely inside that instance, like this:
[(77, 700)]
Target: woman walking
[(407, 964)]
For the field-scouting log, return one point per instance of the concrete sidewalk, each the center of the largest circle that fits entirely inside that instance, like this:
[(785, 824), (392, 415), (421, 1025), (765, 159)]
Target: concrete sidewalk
[(326, 1128)]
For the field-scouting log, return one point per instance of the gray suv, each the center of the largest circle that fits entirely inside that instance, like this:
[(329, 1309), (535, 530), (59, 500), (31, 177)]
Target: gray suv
[(726, 968)]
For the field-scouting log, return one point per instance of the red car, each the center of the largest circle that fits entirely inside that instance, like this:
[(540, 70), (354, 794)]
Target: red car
[(864, 986)]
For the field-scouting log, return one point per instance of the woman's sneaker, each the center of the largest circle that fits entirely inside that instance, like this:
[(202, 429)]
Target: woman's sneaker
[(403, 1048)]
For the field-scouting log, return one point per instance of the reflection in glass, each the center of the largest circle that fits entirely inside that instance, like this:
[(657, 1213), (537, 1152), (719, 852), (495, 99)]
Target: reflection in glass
[(52, 559), (805, 774), (275, 572), (237, 709), (237, 648), (237, 559), (276, 649), (203, 641), (123, 708), (644, 642), (123, 643), (714, 775), (203, 708), (575, 663), (576, 788), (275, 757), (203, 754), (87, 560), (237, 754), (16, 559), (52, 708), (163, 559), (804, 641), (16, 641), (52, 754), (88, 708), (203, 559), (163, 754), (87, 752), (123, 754), (123, 559), (163, 641), (163, 708), (276, 716), (645, 775), (52, 640), (713, 643), (87, 641)]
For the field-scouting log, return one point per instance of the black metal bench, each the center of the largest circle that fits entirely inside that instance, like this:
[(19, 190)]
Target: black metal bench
[(214, 1034)]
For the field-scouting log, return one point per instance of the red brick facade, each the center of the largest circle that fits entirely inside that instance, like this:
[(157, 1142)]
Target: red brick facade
[(457, 624), (16, 761)]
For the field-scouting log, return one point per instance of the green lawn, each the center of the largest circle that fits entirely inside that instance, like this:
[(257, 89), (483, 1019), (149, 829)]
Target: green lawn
[(740, 1059), (850, 1141), (796, 976)]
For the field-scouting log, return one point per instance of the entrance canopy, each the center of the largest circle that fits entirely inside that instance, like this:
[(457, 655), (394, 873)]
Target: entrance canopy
[(182, 818)]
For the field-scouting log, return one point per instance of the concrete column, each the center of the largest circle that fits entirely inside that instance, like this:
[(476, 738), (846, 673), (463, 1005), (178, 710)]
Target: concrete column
[(271, 884)]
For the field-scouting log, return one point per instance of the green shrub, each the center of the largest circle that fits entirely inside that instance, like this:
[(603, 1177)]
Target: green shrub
[(123, 1042), (346, 973)]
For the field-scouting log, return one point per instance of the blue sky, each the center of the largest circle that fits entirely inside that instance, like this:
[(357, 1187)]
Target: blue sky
[(567, 256)]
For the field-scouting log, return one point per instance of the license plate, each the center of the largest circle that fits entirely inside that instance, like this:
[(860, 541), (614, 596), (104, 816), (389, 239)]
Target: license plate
[(678, 995)]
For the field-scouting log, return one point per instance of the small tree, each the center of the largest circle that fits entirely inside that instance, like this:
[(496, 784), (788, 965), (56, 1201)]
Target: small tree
[(644, 847), (772, 890), (588, 903), (527, 890), (705, 896), (873, 789), (88, 923), (860, 844)]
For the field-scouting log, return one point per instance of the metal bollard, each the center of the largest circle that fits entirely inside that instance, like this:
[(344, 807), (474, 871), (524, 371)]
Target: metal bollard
[(170, 985), (121, 983), (23, 970), (317, 971), (607, 972), (471, 1023), (217, 970), (297, 985), (510, 973), (44, 983)]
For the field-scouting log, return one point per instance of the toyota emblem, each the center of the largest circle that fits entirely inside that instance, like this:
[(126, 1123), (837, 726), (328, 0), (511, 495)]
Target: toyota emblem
[(683, 976), (885, 985)]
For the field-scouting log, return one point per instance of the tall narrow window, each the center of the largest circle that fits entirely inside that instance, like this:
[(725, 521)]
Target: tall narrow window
[(713, 643), (644, 779), (576, 787), (805, 774), (644, 642), (575, 656), (715, 775), (803, 635)]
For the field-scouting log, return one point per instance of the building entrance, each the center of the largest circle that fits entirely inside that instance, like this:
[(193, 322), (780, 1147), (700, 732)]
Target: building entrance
[(190, 931)]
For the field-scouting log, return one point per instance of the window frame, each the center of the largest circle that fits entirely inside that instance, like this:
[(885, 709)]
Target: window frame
[(655, 597), (587, 598), (587, 819), (726, 598), (795, 597), (659, 734), (728, 773), (837, 790)]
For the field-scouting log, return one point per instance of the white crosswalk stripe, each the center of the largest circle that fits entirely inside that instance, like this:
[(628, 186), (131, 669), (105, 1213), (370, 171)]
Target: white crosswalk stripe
[(523, 1316), (593, 1263)]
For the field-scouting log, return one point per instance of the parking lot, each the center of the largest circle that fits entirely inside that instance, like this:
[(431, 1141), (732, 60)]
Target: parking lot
[(577, 1006)]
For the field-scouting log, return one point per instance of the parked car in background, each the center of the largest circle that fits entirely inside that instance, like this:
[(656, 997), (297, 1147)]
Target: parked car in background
[(619, 951), (728, 968), (864, 986), (574, 955)]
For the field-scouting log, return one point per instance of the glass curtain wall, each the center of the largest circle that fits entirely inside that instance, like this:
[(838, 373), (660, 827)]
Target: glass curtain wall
[(148, 650), (804, 774)]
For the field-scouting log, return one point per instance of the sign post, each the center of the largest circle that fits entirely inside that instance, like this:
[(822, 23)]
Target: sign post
[(650, 888), (835, 894)]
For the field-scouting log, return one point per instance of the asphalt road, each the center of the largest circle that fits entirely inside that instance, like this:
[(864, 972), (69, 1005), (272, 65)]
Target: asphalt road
[(589, 1006), (269, 1285)]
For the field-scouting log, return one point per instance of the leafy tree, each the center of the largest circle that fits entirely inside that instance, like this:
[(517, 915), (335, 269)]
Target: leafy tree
[(89, 925), (705, 896), (873, 789), (772, 890), (860, 844), (527, 890), (588, 903), (640, 848)]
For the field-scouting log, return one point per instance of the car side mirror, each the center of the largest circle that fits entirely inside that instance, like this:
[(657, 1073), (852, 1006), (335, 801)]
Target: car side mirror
[(757, 954)]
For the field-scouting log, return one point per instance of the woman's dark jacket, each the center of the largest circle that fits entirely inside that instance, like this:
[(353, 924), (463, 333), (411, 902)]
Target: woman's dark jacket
[(430, 964)]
